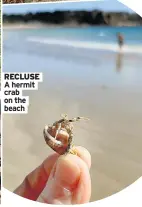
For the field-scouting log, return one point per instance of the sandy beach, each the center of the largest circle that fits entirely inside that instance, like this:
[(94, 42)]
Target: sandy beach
[(38, 25), (113, 137), (79, 82), (33, 25)]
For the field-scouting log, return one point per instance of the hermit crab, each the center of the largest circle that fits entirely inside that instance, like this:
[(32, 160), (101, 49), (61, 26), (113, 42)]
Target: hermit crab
[(54, 139)]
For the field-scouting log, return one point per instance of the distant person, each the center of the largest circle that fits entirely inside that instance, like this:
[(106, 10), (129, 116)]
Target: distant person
[(120, 40)]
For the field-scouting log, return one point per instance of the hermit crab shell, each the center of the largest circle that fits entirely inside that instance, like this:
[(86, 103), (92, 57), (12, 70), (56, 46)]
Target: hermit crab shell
[(60, 144)]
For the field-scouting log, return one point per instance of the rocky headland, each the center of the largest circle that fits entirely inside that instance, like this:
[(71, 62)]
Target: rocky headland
[(76, 18)]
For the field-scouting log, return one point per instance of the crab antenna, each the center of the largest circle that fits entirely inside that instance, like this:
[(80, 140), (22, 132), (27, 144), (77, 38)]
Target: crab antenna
[(83, 118), (80, 118)]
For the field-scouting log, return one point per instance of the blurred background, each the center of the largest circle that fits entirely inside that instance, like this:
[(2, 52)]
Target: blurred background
[(85, 73)]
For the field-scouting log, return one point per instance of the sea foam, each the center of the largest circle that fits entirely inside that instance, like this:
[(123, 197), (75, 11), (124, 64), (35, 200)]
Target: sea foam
[(135, 49)]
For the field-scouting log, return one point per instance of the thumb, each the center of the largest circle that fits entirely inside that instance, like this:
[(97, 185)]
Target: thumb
[(65, 185)]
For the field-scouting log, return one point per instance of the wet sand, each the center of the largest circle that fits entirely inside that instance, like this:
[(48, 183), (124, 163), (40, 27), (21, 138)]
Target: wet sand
[(113, 136)]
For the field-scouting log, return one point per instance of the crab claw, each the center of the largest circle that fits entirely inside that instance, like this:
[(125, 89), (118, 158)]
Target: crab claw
[(64, 116)]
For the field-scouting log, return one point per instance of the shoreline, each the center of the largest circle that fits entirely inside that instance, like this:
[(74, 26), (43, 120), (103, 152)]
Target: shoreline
[(38, 25)]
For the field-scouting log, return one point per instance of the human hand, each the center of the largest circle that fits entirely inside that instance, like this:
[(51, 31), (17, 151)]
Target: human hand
[(60, 180)]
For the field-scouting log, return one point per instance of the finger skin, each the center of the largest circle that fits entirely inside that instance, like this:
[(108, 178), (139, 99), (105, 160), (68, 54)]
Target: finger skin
[(84, 155), (82, 192), (69, 182), (35, 182)]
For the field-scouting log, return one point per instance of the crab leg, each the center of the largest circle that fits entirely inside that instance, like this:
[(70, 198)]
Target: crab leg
[(58, 130), (78, 119), (48, 137)]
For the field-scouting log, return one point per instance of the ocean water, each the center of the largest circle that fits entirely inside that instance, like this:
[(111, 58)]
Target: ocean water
[(76, 56), (103, 38)]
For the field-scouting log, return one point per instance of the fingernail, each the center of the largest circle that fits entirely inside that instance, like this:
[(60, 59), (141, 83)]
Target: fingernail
[(62, 182)]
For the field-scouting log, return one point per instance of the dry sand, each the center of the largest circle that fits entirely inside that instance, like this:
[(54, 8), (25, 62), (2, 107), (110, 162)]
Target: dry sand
[(113, 136), (33, 25), (38, 25)]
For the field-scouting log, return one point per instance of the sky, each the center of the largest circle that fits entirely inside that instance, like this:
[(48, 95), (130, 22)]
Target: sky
[(107, 5)]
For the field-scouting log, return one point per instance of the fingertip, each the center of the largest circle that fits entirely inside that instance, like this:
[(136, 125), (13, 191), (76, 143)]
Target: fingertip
[(84, 154)]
